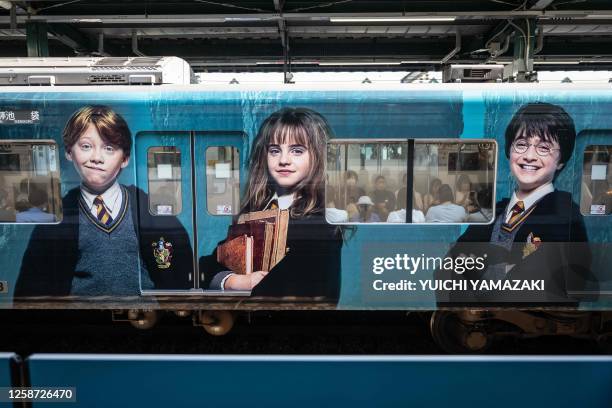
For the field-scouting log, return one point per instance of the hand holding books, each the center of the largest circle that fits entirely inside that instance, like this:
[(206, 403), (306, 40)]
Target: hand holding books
[(254, 245)]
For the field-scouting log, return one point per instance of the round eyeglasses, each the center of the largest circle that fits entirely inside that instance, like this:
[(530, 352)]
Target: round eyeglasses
[(542, 149)]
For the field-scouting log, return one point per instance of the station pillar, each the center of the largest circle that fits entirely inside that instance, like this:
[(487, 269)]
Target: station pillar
[(36, 38)]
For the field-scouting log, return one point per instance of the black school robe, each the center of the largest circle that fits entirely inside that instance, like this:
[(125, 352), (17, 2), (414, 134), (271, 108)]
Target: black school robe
[(562, 258), (311, 267)]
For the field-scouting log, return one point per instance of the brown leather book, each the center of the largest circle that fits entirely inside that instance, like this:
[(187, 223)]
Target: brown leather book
[(237, 254), (280, 219), (263, 236)]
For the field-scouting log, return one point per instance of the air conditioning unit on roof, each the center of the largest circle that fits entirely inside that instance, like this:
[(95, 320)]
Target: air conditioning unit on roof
[(95, 71), (473, 73)]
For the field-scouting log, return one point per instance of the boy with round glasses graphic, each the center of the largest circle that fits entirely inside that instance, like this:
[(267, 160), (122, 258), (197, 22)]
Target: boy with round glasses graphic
[(535, 249)]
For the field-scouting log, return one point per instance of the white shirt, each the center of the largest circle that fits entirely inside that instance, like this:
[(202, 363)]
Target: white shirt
[(284, 201), (400, 216), (530, 200), (447, 212), (112, 200), (334, 215)]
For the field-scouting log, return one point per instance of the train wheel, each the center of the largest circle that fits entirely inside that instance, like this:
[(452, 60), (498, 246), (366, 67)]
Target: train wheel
[(216, 322), (456, 336), (142, 319)]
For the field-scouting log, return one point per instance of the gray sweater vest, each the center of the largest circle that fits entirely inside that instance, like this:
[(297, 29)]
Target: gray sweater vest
[(109, 260)]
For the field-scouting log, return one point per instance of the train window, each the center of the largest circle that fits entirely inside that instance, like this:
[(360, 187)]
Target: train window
[(452, 181), (164, 174), (222, 180), (364, 180), (596, 188), (29, 182)]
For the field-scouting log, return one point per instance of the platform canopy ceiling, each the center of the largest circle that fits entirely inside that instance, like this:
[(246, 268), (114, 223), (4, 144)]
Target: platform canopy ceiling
[(317, 35)]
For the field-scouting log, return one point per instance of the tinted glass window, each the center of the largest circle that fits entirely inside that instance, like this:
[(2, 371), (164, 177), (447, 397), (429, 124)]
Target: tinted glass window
[(222, 180), (596, 189), (29, 182), (164, 175)]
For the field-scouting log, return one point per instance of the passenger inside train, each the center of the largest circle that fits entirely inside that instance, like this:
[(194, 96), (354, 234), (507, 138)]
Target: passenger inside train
[(435, 164)]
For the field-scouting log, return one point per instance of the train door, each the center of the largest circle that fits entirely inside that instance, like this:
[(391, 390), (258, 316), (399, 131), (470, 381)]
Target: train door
[(220, 160), (164, 162), (195, 177), (592, 189)]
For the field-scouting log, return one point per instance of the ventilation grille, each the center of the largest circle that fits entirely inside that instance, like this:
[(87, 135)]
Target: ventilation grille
[(107, 79)]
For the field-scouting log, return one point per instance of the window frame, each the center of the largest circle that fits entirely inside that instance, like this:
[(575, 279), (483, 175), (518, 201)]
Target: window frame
[(410, 173), (59, 215), (179, 180), (582, 175), (236, 154)]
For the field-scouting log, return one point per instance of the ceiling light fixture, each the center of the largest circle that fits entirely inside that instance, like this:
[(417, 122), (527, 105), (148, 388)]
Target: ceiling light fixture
[(551, 62), (348, 63), (388, 19)]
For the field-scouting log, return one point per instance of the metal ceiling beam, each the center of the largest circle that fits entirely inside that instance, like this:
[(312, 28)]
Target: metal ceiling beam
[(542, 4), (306, 17), (284, 35), (37, 41), (71, 37)]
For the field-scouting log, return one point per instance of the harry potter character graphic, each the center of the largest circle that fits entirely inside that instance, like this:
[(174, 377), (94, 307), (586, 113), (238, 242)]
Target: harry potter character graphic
[(103, 244), (286, 171), (538, 232)]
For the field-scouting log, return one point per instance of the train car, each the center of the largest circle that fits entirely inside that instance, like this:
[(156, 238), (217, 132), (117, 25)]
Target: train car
[(121, 198)]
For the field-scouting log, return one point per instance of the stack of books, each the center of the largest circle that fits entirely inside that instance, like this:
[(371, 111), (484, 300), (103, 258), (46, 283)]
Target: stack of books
[(257, 242)]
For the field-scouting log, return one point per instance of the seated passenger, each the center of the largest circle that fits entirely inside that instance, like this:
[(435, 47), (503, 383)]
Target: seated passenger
[(7, 214), (417, 199), (384, 200), (463, 188), (347, 194), (335, 216), (447, 211), (38, 200), (366, 212), (431, 198), (400, 216), (482, 211)]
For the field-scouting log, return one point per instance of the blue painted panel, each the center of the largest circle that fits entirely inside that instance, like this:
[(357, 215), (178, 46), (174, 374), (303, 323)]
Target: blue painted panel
[(364, 114), (299, 381), (7, 360), (213, 228)]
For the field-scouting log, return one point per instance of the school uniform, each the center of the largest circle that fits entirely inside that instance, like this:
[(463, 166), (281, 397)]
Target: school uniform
[(95, 250), (311, 267), (545, 241)]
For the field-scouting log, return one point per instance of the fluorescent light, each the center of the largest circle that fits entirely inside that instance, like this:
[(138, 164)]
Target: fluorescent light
[(387, 19), (292, 63), (420, 62), (598, 16), (549, 62), (86, 20), (358, 63)]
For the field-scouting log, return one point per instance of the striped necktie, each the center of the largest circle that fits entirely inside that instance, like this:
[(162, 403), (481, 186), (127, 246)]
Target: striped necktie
[(516, 212), (103, 215)]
